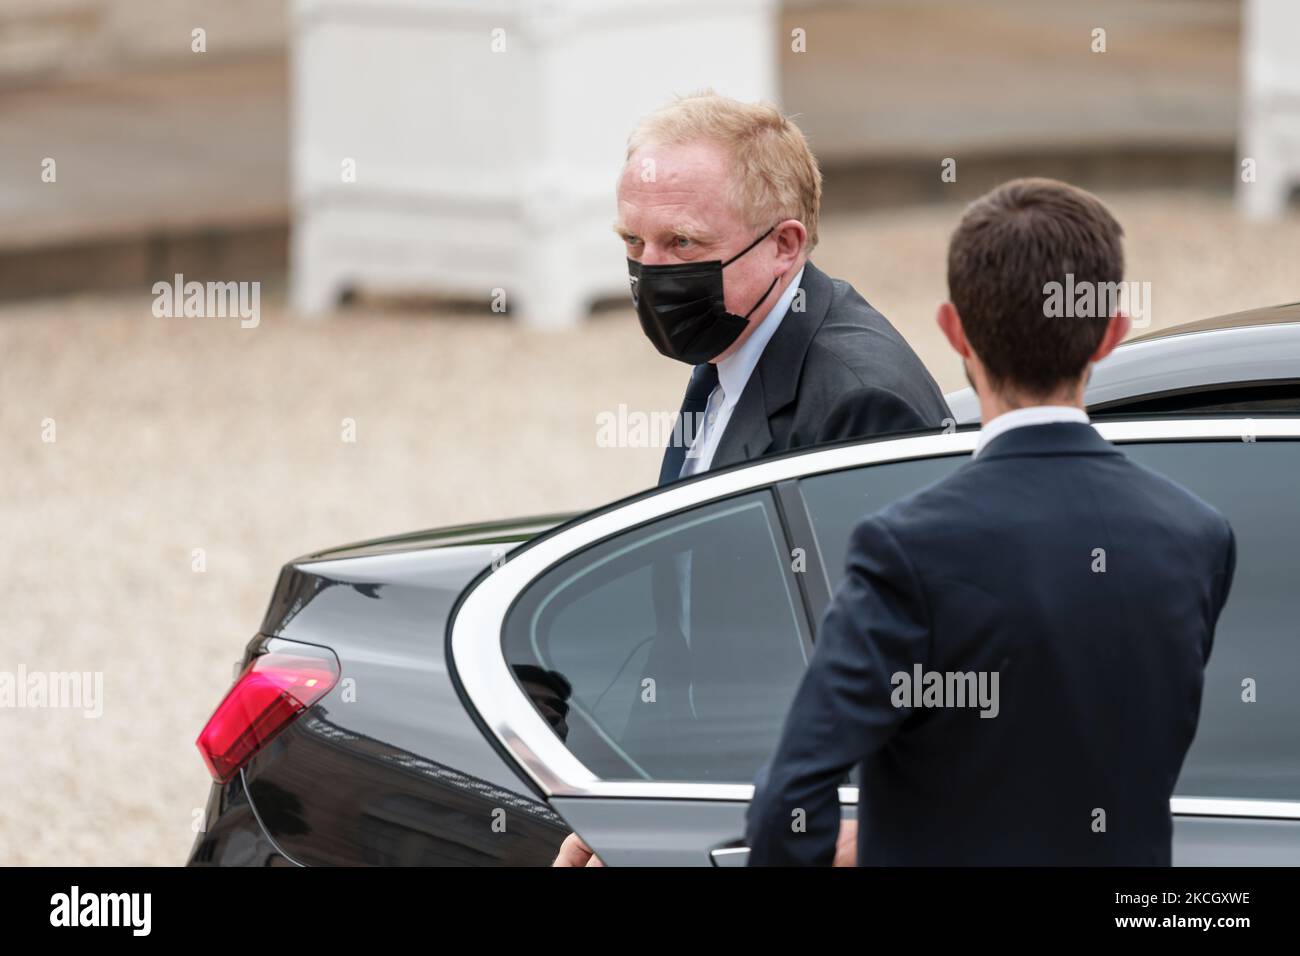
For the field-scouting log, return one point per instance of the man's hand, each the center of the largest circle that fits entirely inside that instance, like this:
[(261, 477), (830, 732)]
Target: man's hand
[(846, 844), (573, 852)]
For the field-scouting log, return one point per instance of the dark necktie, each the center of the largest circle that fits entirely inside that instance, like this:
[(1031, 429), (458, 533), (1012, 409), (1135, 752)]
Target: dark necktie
[(703, 381)]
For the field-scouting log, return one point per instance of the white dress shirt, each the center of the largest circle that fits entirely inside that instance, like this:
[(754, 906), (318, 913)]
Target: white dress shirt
[(1033, 415), (733, 374)]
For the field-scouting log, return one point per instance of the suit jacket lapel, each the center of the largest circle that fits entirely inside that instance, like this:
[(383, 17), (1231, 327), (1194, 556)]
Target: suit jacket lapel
[(775, 380)]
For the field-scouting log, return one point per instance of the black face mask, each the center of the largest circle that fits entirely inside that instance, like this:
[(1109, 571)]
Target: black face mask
[(682, 309)]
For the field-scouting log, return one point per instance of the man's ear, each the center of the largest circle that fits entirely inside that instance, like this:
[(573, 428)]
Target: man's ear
[(950, 324), (791, 240), (1118, 327)]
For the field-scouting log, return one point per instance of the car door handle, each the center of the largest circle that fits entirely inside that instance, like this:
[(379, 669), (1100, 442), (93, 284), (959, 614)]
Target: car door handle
[(730, 856)]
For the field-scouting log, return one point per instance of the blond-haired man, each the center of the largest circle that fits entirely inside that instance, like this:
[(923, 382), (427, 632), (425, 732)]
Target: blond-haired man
[(718, 206)]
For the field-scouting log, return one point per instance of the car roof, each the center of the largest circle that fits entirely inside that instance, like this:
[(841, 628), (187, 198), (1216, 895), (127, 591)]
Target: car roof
[(1270, 315), (1257, 345)]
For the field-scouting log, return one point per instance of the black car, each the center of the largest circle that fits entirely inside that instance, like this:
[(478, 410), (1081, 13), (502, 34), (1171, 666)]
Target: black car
[(470, 695)]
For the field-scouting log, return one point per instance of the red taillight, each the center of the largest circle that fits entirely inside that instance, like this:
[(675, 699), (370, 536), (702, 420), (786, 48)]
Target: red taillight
[(272, 690)]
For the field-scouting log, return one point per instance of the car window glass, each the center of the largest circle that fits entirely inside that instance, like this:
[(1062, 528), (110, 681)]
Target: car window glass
[(1247, 747), (674, 649), (837, 500), (1270, 398), (1243, 747)]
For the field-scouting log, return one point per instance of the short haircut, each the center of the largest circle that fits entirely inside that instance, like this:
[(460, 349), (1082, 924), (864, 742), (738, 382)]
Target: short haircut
[(1010, 246), (775, 173)]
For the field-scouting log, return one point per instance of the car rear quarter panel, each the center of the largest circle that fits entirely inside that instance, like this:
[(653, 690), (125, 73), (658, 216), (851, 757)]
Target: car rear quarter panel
[(389, 768)]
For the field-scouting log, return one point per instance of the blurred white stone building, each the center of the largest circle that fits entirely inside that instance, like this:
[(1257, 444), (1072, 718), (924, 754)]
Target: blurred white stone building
[(468, 149)]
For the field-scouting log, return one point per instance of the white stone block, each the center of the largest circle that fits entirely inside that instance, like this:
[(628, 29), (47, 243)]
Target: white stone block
[(1270, 115), (487, 137)]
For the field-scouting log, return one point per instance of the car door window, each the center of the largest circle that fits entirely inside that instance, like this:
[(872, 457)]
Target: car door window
[(836, 501), (1243, 747), (671, 651), (1247, 747)]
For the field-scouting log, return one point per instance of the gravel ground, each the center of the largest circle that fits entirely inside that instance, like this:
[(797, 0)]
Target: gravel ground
[(176, 434)]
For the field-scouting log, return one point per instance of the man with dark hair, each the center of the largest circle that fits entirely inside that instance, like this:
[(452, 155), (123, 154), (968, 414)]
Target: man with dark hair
[(1080, 587), (1011, 248)]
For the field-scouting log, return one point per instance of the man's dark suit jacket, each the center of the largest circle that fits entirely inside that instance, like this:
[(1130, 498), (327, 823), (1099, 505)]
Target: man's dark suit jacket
[(836, 370), (1100, 673)]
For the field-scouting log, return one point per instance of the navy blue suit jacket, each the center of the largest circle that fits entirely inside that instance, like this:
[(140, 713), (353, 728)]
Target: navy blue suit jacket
[(997, 569)]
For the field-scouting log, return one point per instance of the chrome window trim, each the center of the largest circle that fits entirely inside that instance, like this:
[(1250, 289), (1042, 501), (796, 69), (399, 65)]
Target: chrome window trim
[(480, 662), (726, 852), (1241, 807)]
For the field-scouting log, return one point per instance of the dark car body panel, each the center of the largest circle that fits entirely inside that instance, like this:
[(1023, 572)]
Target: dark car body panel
[(1269, 315), (232, 834), (435, 790)]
